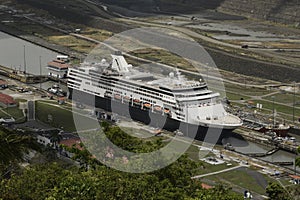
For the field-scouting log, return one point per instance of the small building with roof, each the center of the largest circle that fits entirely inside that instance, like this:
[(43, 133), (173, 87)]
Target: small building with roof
[(7, 101), (3, 84), (295, 179), (58, 68), (69, 143)]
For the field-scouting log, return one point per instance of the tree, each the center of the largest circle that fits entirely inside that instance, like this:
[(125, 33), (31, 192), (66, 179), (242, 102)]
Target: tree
[(13, 147), (56, 137), (297, 160), (277, 192), (56, 181)]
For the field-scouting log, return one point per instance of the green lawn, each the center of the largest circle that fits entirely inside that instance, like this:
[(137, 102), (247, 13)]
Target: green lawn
[(284, 98), (239, 178), (208, 168), (58, 117), (14, 112), (248, 91), (193, 153), (234, 96), (278, 107)]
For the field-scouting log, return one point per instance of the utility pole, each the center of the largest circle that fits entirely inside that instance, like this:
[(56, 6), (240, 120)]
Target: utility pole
[(294, 103), (24, 61), (40, 59), (273, 111)]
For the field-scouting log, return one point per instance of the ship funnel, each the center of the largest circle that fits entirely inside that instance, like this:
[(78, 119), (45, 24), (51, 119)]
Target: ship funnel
[(119, 63)]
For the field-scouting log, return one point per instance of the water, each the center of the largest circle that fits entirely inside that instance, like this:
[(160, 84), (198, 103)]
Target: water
[(12, 55), (244, 146), (247, 147)]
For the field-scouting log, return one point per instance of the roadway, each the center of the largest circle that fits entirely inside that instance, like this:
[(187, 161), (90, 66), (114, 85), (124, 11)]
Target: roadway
[(31, 110), (179, 29), (211, 77)]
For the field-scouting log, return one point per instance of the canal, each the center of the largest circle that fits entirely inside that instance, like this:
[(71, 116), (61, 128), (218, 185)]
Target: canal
[(247, 147), (12, 55)]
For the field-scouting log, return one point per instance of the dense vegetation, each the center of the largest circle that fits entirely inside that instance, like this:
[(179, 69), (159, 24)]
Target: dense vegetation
[(92, 180), (58, 180), (55, 181)]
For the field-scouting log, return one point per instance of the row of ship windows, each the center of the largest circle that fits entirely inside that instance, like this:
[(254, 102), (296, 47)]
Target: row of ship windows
[(178, 117), (177, 108), (180, 114), (93, 92), (73, 83), (119, 92), (191, 95), (126, 87), (97, 79), (73, 86), (74, 79), (135, 92)]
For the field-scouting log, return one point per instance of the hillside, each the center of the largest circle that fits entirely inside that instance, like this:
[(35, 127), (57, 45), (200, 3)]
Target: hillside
[(283, 11)]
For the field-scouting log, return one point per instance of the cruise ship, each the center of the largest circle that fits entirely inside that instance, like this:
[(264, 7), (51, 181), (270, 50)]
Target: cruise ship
[(169, 102)]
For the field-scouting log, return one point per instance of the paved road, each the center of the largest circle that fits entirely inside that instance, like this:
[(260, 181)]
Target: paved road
[(31, 110), (168, 66)]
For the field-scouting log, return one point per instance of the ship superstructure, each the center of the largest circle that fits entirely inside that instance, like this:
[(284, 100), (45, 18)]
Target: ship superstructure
[(174, 96)]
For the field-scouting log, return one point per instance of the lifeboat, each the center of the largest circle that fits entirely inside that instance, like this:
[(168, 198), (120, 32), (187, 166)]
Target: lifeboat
[(157, 108), (117, 96), (136, 101), (147, 105), (166, 110), (126, 98)]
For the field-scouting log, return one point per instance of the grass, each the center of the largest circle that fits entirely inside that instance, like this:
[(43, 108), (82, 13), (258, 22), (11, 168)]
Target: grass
[(97, 34), (14, 112), (32, 28), (72, 42), (140, 132), (54, 102), (248, 91), (61, 118), (238, 178), (284, 98), (278, 107), (208, 168), (234, 96), (163, 56), (193, 153)]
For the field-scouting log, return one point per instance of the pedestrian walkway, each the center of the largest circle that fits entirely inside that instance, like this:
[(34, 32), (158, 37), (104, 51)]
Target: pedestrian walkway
[(218, 172)]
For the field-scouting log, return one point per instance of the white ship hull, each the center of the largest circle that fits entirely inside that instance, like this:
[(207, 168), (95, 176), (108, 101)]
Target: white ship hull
[(154, 119), (170, 102)]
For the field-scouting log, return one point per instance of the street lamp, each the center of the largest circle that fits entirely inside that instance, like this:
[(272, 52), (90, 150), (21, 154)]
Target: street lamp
[(273, 97), (206, 65), (294, 102), (40, 73)]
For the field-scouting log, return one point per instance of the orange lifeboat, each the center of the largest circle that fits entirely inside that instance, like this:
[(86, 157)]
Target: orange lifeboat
[(147, 105), (166, 110), (136, 101)]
